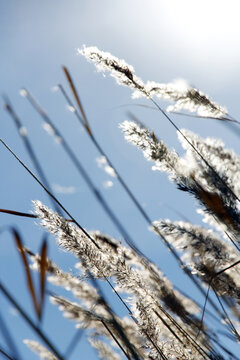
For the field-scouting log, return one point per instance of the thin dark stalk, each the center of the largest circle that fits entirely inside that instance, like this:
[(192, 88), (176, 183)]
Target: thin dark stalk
[(229, 119), (183, 332), (227, 317), (30, 150), (231, 326), (214, 317), (6, 355), (74, 90), (23, 214), (224, 119), (9, 339), (232, 127), (227, 268), (38, 331), (136, 322), (223, 348), (114, 321), (213, 339), (17, 213), (230, 238), (115, 339), (203, 310)]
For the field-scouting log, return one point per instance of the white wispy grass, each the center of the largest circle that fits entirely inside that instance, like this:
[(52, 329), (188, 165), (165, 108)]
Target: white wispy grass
[(225, 161), (154, 150), (185, 97), (40, 350), (118, 68)]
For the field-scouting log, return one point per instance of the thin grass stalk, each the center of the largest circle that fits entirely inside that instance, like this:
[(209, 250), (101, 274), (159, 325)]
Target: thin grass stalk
[(198, 347), (115, 339), (115, 322), (224, 119), (9, 339), (6, 355), (17, 213), (29, 148), (230, 324), (28, 320), (74, 90)]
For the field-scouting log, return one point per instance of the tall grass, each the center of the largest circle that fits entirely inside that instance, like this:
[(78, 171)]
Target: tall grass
[(163, 322)]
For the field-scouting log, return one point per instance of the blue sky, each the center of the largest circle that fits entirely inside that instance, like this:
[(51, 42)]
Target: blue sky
[(163, 41)]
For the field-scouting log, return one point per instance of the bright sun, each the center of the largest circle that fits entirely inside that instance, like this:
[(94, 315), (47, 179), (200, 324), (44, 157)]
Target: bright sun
[(206, 30)]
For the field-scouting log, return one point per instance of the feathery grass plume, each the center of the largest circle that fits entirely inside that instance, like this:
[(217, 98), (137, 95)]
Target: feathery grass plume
[(185, 97), (165, 159), (224, 161), (40, 350), (119, 69), (205, 254)]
